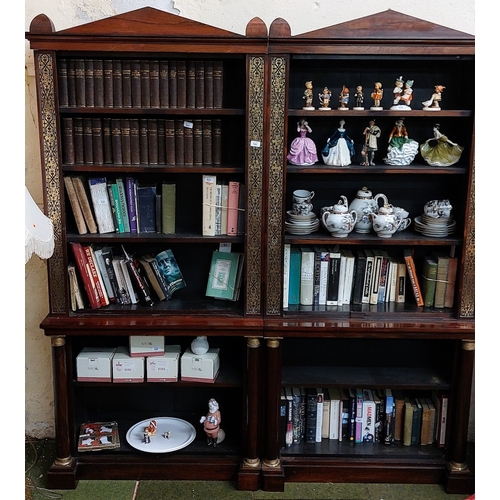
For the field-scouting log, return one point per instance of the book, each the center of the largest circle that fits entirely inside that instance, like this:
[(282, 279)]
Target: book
[(146, 205), (62, 82), (126, 83), (441, 279), (324, 273), (117, 84), (232, 208), (104, 275), (317, 268), (379, 415), (223, 275), (172, 83), (296, 415), (344, 415), (71, 83), (188, 142), (102, 205), (352, 415), (85, 204), (168, 208), (123, 290), (96, 275), (78, 139), (306, 276), (416, 425), (359, 277), (88, 153), (335, 413), (399, 404), (367, 280), (68, 141), (216, 141), (240, 227), (412, 276), (358, 436), (289, 418), (282, 418), (218, 209), (407, 422), (134, 299), (114, 199), (440, 401), (181, 84), (75, 205), (349, 276), (122, 197), (84, 272), (426, 422), (286, 273), (190, 84), (319, 414), (384, 270), (108, 82), (218, 83), (311, 415), (89, 83), (80, 82), (170, 141), (208, 204), (393, 279), (207, 141), (294, 285), (139, 284), (145, 262), (449, 295), (224, 206), (162, 158), (388, 433), (95, 436), (375, 280), (152, 141), (145, 84), (76, 296), (200, 84), (401, 282), (325, 420), (126, 140), (432, 419), (169, 269), (154, 83), (163, 82), (143, 141), (333, 282), (209, 84), (98, 83), (369, 411), (131, 193), (116, 141), (429, 274), (107, 258), (97, 142), (342, 270)]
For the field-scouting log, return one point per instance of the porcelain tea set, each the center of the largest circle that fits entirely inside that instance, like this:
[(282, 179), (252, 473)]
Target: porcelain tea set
[(301, 219)]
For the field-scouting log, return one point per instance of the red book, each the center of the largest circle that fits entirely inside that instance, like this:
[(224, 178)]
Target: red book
[(95, 274), (412, 274), (232, 208), (85, 274)]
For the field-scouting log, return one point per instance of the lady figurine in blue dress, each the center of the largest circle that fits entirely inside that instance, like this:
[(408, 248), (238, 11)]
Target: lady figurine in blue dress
[(339, 148)]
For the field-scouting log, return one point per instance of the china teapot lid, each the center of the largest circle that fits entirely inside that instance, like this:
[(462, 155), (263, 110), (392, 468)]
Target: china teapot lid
[(386, 209), (341, 206), (364, 192)]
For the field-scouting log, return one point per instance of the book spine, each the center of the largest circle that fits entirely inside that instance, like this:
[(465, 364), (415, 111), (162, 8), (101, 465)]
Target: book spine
[(208, 210), (218, 84), (209, 84), (168, 208), (161, 141), (207, 142), (170, 141), (109, 187), (450, 282), (85, 204), (97, 142), (153, 280), (312, 409), (412, 275), (101, 204), (126, 141), (188, 143), (152, 141), (286, 274), (145, 84), (190, 84), (297, 426), (197, 142), (75, 205), (128, 282), (88, 154), (118, 207), (200, 84), (89, 83), (216, 141), (154, 83), (441, 279), (172, 84), (319, 414), (135, 84), (123, 293), (143, 141), (80, 82), (181, 84), (126, 83), (62, 82), (68, 141), (85, 274), (101, 267), (179, 142), (123, 204), (307, 277), (135, 142), (108, 83), (429, 274), (359, 417), (130, 183), (140, 286), (78, 140), (71, 83), (107, 140), (103, 298), (116, 141), (117, 84), (164, 92)]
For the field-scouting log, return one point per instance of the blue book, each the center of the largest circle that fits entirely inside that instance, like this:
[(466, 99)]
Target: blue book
[(131, 192), (294, 284), (146, 205)]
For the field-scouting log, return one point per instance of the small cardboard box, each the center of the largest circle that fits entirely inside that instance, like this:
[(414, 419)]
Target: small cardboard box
[(126, 368), (200, 367), (164, 368), (149, 345), (93, 364)]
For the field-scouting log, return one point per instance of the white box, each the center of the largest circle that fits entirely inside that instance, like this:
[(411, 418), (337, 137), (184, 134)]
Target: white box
[(149, 345), (164, 368), (126, 368), (93, 364), (200, 367)]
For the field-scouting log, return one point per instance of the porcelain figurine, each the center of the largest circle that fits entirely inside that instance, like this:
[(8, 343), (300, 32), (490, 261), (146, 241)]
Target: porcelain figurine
[(398, 90), (211, 424), (308, 96), (371, 133), (439, 151), (432, 104), (386, 222), (359, 97), (324, 99), (401, 150), (376, 95), (200, 345), (365, 204), (344, 99), (339, 148), (340, 220), (302, 149), (403, 95)]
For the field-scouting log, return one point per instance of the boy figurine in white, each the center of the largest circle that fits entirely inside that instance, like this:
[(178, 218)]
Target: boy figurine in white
[(211, 424)]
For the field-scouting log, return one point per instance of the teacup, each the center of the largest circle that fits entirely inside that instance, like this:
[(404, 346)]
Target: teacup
[(404, 213), (303, 196), (404, 223), (302, 208)]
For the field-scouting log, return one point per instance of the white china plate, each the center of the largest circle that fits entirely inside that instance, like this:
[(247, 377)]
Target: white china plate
[(182, 433)]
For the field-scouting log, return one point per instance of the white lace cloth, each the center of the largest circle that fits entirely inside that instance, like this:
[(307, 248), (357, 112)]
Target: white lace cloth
[(38, 230)]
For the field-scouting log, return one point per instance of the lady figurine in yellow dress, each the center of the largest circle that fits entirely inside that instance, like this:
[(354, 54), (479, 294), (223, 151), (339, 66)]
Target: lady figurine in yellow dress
[(439, 151)]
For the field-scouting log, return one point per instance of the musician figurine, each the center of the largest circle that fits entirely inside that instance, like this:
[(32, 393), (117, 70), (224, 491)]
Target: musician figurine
[(371, 133), (324, 99), (344, 98)]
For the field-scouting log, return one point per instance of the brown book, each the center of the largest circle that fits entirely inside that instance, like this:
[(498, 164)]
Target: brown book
[(399, 402), (172, 84), (97, 141), (188, 143), (152, 141), (126, 146), (169, 141), (181, 84), (88, 155), (84, 200), (200, 84), (154, 83), (108, 83), (209, 84), (218, 84), (163, 77), (190, 84), (98, 83), (179, 142), (78, 139), (135, 144), (62, 82), (426, 422), (75, 205), (145, 84), (161, 141), (197, 142), (216, 141), (89, 83), (80, 82), (107, 140), (143, 140), (68, 142), (412, 276), (207, 142), (135, 75), (126, 84), (116, 141), (71, 83), (450, 282), (117, 84), (441, 279)]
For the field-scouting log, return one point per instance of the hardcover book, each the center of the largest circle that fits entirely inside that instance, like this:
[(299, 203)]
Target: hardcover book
[(232, 208), (359, 277), (164, 97), (146, 203), (145, 84), (108, 83), (83, 267), (96, 275), (296, 415), (223, 275), (168, 208), (311, 414), (286, 273), (450, 282), (126, 83), (333, 284), (68, 142), (139, 283), (181, 84), (172, 83), (98, 83), (208, 204), (130, 190), (307, 276), (154, 83), (135, 75), (123, 291), (289, 417), (179, 142), (152, 141), (369, 416), (85, 203), (429, 274), (75, 205), (95, 436), (169, 269), (102, 206), (78, 139), (107, 257), (294, 286), (367, 281), (126, 140), (335, 413), (104, 275), (441, 279), (89, 83), (146, 263), (358, 436), (88, 153), (412, 275), (190, 84), (117, 84), (122, 197), (319, 414)]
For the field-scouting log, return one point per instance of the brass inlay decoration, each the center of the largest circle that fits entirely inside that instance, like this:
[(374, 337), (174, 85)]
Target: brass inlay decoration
[(63, 461), (468, 345), (273, 343), (251, 462), (50, 163), (275, 463), (454, 466), (253, 342), (255, 162), (275, 193), (58, 341)]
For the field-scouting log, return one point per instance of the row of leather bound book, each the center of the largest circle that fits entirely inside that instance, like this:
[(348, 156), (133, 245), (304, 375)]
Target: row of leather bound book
[(139, 141), (140, 83)]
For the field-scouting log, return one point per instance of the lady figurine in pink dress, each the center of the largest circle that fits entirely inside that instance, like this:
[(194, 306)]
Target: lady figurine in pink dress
[(302, 150)]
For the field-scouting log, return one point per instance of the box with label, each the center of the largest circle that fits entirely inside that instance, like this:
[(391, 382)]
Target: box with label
[(164, 368), (149, 345), (126, 368), (200, 367), (93, 364)]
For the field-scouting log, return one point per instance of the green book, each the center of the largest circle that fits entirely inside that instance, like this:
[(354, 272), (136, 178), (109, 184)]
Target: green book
[(118, 207), (223, 276), (168, 208), (442, 277), (294, 281), (122, 196), (429, 274)]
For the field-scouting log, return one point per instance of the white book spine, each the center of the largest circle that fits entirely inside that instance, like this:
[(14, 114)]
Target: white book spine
[(102, 205), (334, 419), (349, 272), (130, 287), (307, 278), (367, 281), (319, 415), (208, 204)]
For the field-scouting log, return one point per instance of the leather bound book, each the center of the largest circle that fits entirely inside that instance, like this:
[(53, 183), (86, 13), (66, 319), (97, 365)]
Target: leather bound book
[(143, 140), (161, 141), (75, 205), (190, 84), (97, 141), (107, 141), (80, 82), (207, 142), (441, 277), (62, 82), (108, 83), (135, 75), (232, 208), (450, 282), (88, 155), (168, 208), (169, 141), (126, 83), (209, 84), (197, 142), (145, 84), (135, 143), (68, 142), (412, 276), (172, 84), (78, 139), (152, 141), (200, 84), (116, 141), (89, 83), (146, 206), (163, 75), (154, 83), (83, 198), (188, 143), (218, 84), (71, 83), (179, 142), (98, 83), (117, 84), (126, 145), (216, 141), (181, 84)]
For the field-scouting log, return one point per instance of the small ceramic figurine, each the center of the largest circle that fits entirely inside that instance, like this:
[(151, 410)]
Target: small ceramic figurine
[(371, 133), (339, 148), (324, 99), (302, 149), (439, 151), (402, 96), (433, 103), (360, 98), (344, 98), (200, 345), (401, 150), (407, 96), (376, 95), (398, 90), (308, 96), (211, 424)]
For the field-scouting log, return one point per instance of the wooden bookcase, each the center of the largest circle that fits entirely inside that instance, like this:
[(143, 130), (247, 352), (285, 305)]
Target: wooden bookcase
[(407, 347)]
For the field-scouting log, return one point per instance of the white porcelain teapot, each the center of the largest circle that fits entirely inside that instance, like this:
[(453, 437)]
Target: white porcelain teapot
[(387, 221), (365, 204), (339, 220)]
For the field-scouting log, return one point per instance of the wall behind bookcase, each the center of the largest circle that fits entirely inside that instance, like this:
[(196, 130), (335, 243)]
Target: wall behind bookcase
[(231, 15)]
